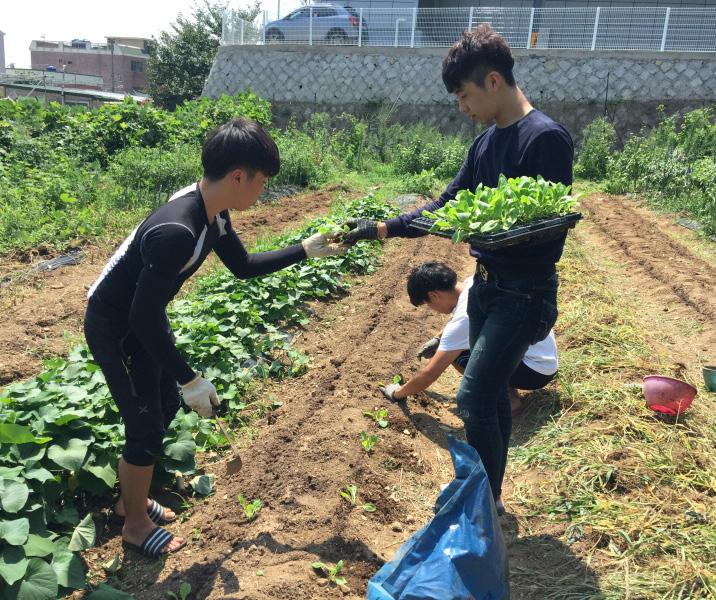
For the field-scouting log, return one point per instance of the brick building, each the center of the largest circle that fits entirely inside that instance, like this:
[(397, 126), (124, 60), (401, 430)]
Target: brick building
[(121, 61)]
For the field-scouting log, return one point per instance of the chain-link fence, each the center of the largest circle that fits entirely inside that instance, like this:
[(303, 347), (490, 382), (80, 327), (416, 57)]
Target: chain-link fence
[(590, 28)]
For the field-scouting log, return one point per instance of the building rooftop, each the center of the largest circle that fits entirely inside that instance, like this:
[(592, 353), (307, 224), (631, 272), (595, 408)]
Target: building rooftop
[(99, 95), (79, 45)]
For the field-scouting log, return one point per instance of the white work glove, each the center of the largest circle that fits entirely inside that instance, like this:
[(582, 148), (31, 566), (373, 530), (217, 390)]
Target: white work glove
[(320, 246), (389, 392), (429, 348), (199, 395)]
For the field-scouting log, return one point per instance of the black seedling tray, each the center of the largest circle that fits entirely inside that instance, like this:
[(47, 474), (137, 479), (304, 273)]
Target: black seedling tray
[(541, 230)]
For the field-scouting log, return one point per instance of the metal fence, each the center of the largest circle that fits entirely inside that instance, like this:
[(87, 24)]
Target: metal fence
[(590, 28)]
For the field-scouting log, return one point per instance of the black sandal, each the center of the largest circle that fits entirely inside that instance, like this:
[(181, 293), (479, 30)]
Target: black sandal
[(156, 512), (154, 543)]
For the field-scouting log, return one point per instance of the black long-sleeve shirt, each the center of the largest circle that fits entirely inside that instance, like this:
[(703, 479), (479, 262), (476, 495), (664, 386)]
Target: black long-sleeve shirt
[(166, 249), (534, 145)]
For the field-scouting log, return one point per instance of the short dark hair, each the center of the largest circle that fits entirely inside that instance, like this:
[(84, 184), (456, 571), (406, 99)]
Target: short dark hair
[(428, 277), (474, 55), (240, 143)]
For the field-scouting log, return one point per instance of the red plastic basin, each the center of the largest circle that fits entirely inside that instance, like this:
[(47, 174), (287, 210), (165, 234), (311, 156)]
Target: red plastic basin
[(667, 395)]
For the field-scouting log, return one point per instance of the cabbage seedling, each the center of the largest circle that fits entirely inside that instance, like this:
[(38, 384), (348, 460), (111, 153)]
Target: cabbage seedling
[(368, 441), (350, 494), (379, 416), (333, 573), (251, 509)]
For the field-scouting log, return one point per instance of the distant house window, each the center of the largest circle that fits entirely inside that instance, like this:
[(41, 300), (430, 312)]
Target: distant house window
[(137, 66)]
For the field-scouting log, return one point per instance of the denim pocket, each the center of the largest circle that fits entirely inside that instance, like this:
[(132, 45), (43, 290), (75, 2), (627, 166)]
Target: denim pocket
[(547, 319), (501, 287)]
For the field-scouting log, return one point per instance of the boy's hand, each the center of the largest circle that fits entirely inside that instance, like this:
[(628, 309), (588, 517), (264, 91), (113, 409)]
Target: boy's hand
[(389, 392), (429, 348), (320, 246), (360, 229), (200, 395)]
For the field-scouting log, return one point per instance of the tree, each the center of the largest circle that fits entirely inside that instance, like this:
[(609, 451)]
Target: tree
[(180, 60)]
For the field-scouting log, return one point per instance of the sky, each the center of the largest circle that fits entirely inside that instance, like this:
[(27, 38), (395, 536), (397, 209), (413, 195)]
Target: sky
[(23, 21)]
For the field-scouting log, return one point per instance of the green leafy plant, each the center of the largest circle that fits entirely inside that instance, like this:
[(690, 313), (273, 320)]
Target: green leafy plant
[(598, 140), (251, 509), (512, 202), (380, 416), (184, 591), (334, 231), (368, 441), (333, 573), (60, 433), (350, 495)]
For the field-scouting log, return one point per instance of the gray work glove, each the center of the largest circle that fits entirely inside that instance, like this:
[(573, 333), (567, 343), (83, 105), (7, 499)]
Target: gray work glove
[(320, 246), (360, 229), (389, 390), (200, 395), (429, 348)]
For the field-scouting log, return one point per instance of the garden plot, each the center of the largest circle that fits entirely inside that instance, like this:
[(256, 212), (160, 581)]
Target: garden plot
[(40, 309), (593, 475)]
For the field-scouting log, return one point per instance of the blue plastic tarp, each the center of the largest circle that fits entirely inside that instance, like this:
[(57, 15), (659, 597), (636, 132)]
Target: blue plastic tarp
[(460, 554)]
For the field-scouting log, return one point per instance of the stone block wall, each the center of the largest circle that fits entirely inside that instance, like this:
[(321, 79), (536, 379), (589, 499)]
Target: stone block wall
[(573, 86)]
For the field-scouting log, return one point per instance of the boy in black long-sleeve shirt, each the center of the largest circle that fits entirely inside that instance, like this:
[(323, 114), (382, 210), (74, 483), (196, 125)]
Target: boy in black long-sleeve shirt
[(126, 324), (513, 302)]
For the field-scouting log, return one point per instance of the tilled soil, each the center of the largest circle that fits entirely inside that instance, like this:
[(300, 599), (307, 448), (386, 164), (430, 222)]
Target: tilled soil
[(656, 261), (298, 464), (306, 451), (43, 311)]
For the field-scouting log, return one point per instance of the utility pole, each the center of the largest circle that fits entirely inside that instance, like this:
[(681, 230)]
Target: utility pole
[(111, 50)]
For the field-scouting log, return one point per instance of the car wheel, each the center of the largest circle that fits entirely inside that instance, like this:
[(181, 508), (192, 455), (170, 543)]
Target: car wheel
[(336, 37), (274, 36)]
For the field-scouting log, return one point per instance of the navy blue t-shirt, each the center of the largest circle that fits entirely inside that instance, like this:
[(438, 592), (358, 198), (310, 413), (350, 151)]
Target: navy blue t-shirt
[(534, 145)]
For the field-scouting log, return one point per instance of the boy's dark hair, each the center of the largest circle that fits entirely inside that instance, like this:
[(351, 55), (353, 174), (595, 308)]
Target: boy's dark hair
[(431, 276), (474, 55), (240, 143)]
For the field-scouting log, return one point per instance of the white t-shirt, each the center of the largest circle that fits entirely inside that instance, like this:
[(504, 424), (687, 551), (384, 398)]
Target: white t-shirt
[(540, 357), (456, 335)]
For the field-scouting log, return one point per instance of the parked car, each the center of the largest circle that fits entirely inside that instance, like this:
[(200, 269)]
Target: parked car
[(332, 24)]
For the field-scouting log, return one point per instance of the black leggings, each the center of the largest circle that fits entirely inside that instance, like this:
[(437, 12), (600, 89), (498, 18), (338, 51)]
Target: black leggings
[(147, 397), (523, 377)]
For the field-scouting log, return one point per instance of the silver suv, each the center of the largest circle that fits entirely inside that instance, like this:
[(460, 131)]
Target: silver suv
[(323, 23)]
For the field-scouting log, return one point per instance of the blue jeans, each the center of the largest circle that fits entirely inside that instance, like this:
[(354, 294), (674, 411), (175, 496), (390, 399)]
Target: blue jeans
[(507, 315)]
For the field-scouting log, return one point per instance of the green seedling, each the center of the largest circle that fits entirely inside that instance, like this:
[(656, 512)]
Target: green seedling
[(112, 566), (398, 379), (196, 534), (368, 441), (379, 416), (252, 508), (333, 231), (184, 591), (333, 573), (350, 494), (489, 210)]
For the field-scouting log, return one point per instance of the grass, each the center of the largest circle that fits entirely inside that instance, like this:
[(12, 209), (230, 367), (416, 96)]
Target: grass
[(630, 494)]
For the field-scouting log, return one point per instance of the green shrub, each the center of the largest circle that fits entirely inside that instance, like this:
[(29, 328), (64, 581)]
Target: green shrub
[(428, 149), (672, 167), (305, 161), (425, 183), (148, 176), (598, 140)]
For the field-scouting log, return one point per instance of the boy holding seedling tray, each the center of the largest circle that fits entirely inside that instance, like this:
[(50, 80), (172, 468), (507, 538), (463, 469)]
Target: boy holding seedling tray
[(513, 301), (126, 324)]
